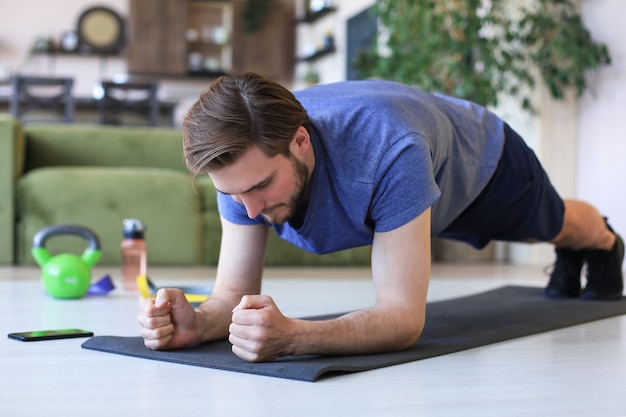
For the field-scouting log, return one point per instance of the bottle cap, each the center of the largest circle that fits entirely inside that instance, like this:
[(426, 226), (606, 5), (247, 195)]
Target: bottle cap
[(133, 228)]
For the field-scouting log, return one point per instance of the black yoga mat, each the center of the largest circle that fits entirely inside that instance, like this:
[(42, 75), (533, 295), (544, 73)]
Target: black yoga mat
[(451, 326)]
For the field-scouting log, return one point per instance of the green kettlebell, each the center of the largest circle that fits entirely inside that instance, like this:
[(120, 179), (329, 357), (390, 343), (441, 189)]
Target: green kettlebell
[(66, 275)]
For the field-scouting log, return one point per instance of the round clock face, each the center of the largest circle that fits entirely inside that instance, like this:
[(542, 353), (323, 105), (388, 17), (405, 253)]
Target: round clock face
[(101, 30)]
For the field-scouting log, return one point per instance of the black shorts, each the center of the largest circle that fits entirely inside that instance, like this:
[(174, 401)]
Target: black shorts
[(518, 203)]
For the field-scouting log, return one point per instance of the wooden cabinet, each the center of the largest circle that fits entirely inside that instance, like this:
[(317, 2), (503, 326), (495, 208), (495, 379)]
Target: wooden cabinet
[(156, 37), (207, 38), (270, 49)]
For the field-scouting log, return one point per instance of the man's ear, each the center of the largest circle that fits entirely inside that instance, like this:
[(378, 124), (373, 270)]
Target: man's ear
[(301, 142)]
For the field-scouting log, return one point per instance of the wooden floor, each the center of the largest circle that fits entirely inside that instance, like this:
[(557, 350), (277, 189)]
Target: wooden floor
[(578, 371)]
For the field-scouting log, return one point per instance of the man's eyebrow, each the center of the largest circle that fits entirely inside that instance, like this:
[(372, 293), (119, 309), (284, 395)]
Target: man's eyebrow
[(256, 186)]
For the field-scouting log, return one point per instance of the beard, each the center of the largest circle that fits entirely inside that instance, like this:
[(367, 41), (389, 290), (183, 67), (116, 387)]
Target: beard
[(301, 173)]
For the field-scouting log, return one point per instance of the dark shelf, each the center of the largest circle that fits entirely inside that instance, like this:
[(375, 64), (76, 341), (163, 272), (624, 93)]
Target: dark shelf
[(317, 55), (201, 44), (312, 17), (187, 75), (205, 74), (61, 52)]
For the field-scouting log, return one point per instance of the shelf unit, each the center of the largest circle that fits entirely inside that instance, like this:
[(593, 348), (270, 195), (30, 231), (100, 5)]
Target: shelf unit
[(209, 38), (327, 45), (318, 54), (201, 38), (311, 17), (180, 38)]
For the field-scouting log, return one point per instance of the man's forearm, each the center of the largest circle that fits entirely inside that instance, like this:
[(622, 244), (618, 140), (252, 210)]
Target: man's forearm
[(377, 329)]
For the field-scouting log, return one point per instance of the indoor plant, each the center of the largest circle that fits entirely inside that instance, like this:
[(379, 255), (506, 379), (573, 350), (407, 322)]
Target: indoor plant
[(479, 49)]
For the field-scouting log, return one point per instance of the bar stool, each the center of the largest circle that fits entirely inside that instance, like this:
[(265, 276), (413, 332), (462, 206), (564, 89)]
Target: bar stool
[(136, 97), (39, 97)]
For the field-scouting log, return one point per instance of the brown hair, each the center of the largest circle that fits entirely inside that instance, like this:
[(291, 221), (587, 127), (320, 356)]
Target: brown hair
[(235, 113)]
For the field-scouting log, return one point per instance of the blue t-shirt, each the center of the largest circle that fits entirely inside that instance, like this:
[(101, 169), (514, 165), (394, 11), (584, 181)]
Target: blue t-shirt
[(384, 153)]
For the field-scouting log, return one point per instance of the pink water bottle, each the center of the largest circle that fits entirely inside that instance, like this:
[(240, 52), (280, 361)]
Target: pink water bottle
[(134, 261)]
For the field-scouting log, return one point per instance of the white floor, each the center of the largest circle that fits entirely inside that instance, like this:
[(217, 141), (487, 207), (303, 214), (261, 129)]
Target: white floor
[(578, 371)]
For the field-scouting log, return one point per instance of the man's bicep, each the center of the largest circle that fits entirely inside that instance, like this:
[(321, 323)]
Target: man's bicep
[(242, 256)]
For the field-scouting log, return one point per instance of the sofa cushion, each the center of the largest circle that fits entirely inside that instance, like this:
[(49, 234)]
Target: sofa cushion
[(283, 253), (88, 145), (212, 229), (100, 198)]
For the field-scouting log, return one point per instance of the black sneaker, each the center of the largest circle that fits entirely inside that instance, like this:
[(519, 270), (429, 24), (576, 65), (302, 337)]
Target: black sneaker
[(604, 272), (565, 276)]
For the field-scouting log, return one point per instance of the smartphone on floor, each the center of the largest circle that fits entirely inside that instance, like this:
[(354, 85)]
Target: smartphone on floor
[(49, 334)]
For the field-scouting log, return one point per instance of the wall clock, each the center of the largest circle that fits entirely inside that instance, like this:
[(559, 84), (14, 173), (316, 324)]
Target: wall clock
[(101, 30)]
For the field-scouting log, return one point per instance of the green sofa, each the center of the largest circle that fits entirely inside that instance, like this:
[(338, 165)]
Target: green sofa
[(96, 176)]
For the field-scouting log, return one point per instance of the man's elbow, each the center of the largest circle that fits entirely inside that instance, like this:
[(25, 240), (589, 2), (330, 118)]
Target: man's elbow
[(411, 334)]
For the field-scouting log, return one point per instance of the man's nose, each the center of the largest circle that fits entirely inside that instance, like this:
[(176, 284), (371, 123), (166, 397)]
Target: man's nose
[(253, 205)]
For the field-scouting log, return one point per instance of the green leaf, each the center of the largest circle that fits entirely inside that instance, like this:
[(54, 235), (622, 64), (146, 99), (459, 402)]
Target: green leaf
[(462, 48)]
